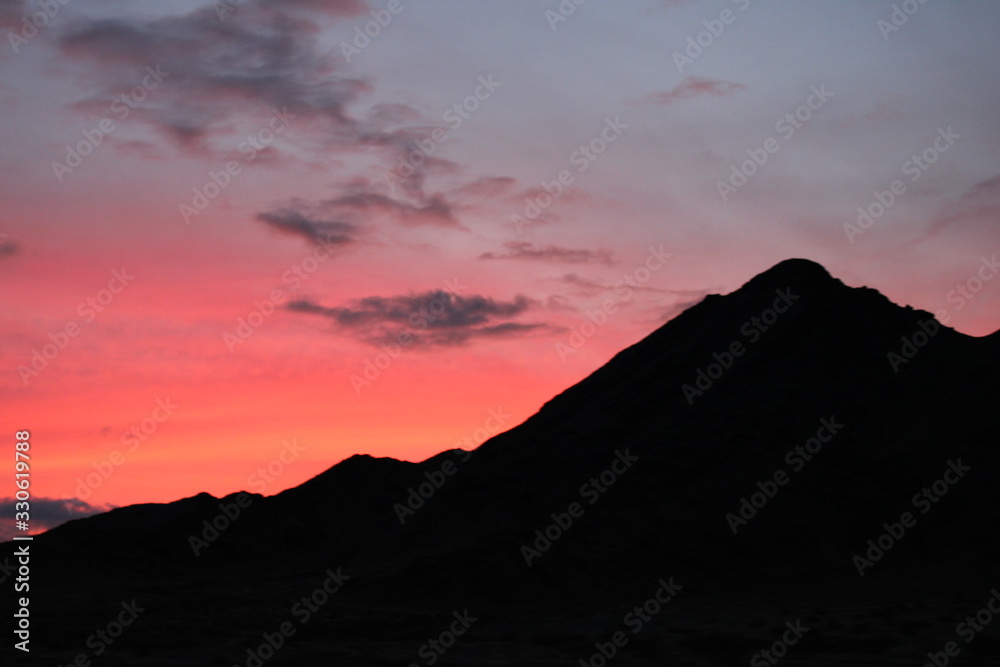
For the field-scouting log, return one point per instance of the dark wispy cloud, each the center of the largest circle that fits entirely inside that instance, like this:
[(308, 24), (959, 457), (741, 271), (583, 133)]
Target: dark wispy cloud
[(390, 113), (8, 248), (298, 223), (227, 77), (978, 205), (490, 186), (409, 164), (887, 107), (988, 189), (429, 319), (550, 253), (690, 87), (434, 210), (12, 14), (526, 203), (218, 72), (571, 194), (330, 7), (47, 513), (584, 286)]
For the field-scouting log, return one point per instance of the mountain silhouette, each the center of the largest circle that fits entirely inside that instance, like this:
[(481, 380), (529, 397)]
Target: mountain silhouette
[(799, 467)]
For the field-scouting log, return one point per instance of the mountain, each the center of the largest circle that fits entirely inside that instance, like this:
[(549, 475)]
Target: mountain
[(797, 467)]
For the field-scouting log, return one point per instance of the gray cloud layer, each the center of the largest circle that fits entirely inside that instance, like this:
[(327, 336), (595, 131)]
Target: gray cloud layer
[(433, 318)]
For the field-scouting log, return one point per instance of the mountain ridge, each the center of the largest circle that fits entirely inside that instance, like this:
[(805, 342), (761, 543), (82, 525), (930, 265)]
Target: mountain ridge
[(707, 408)]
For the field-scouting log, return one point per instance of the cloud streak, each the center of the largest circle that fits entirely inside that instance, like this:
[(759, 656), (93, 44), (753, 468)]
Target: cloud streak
[(979, 204), (434, 318), (12, 14), (47, 513), (435, 210), (221, 72), (550, 253), (295, 223), (690, 88), (224, 78), (8, 248), (338, 8)]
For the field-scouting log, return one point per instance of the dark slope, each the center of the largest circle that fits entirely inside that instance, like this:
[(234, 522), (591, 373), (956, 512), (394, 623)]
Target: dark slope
[(825, 359)]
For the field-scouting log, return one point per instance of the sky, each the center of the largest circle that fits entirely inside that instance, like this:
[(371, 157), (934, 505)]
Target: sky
[(242, 240)]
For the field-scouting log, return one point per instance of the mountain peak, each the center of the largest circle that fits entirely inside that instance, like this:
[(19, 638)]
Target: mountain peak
[(796, 272), (795, 268)]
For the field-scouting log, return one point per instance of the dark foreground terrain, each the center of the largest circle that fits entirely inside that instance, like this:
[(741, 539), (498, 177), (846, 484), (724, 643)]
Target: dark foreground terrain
[(799, 467)]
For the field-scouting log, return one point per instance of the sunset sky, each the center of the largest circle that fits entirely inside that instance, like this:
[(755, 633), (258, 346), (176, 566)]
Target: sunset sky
[(239, 229)]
